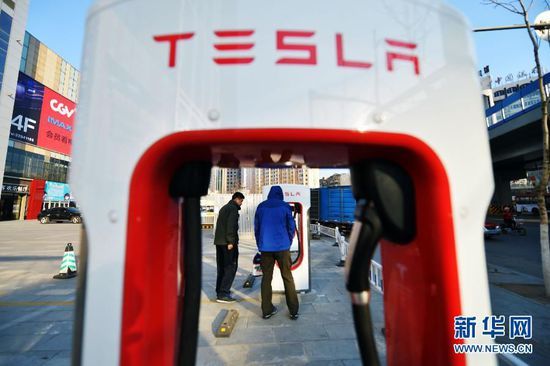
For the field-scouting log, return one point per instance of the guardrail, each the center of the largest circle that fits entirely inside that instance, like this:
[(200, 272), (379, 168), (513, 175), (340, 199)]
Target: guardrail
[(328, 231), (376, 277), (51, 204), (207, 222)]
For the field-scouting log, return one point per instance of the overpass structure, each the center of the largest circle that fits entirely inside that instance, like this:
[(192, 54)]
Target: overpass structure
[(515, 136)]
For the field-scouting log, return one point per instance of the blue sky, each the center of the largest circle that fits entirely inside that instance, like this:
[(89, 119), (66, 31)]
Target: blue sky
[(504, 51), (60, 25)]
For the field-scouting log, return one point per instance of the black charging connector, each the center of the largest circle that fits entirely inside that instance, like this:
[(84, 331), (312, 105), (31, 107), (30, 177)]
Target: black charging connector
[(188, 184)]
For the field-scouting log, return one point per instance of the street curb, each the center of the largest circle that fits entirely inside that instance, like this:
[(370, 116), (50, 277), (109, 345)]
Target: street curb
[(498, 219)]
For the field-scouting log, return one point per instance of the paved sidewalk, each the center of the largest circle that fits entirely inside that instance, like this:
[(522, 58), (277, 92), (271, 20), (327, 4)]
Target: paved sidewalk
[(36, 312), (323, 335), (506, 302)]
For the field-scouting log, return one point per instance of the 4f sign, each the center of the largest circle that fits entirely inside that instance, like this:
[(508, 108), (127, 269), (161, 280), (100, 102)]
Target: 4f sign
[(61, 108), (23, 123)]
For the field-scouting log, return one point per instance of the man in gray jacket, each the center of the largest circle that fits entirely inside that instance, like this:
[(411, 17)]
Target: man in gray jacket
[(226, 239)]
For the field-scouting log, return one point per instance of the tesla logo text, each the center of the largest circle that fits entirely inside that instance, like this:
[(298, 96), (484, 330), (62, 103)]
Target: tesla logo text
[(240, 46), (24, 124), (290, 41), (292, 194), (61, 108)]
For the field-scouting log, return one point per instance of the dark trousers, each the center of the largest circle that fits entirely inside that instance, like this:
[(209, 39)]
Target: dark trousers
[(284, 261), (226, 261)]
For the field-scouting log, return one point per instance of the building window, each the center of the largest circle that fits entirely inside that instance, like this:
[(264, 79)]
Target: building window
[(21, 163), (5, 30)]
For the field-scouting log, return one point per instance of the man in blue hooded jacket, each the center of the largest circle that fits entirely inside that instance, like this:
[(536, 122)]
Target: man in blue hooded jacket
[(274, 228)]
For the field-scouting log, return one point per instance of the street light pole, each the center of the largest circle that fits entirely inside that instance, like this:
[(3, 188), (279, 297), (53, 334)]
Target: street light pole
[(515, 26)]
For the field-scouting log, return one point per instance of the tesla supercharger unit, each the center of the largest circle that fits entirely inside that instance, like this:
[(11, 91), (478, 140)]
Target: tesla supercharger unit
[(276, 84), (298, 197)]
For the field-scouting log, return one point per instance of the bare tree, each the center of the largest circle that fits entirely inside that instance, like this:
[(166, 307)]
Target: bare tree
[(522, 9)]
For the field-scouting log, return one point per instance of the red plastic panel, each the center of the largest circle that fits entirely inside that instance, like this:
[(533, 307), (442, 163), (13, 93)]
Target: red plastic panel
[(420, 279)]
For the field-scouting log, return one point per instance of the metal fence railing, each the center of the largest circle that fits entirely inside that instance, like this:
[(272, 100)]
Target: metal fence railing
[(325, 230), (51, 204), (207, 220), (328, 231), (376, 278), (313, 228)]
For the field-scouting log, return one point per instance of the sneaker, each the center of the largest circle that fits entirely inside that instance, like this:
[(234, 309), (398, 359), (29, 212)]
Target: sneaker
[(226, 300), (341, 263), (294, 316), (273, 312)]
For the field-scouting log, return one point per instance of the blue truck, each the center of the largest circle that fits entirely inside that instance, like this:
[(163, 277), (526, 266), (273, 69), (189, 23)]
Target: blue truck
[(333, 206)]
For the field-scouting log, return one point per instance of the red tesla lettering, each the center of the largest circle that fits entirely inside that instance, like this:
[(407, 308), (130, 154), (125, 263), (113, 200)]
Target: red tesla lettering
[(287, 40), (309, 48), (340, 56), (173, 41), (392, 56), (224, 47)]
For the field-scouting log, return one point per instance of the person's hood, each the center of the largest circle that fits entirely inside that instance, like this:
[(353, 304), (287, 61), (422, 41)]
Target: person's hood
[(275, 193)]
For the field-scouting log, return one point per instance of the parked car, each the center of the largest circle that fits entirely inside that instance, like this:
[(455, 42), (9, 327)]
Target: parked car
[(491, 229), (55, 214)]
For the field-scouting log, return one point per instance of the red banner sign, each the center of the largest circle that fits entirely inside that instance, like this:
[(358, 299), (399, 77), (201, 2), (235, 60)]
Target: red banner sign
[(56, 123)]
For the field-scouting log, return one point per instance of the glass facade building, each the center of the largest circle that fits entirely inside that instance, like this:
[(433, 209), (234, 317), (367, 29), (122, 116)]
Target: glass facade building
[(26, 162), (48, 68), (5, 30), (45, 66), (21, 163)]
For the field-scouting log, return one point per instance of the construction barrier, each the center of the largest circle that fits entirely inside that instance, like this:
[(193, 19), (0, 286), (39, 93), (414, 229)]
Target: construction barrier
[(207, 222)]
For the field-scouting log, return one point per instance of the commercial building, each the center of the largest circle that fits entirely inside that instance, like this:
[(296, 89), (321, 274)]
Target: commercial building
[(251, 180), (37, 146), (13, 21), (336, 180), (495, 90), (225, 180)]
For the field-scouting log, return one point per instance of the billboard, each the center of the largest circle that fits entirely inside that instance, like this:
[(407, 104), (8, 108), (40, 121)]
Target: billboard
[(42, 117), (55, 191), (29, 95)]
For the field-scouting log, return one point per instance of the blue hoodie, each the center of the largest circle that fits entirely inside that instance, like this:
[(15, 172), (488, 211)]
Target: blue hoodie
[(274, 226)]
